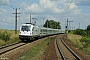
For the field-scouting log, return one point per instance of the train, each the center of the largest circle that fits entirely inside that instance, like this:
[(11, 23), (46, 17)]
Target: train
[(29, 31)]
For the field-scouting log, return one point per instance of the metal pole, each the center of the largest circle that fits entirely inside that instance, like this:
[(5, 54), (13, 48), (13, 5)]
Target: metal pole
[(43, 22), (16, 20), (30, 19), (67, 30), (16, 23)]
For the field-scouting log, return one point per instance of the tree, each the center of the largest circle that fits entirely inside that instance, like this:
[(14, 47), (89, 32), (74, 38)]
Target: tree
[(88, 30), (52, 24), (88, 27), (46, 24)]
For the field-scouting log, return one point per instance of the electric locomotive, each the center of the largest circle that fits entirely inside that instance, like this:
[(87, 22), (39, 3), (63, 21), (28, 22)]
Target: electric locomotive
[(28, 31)]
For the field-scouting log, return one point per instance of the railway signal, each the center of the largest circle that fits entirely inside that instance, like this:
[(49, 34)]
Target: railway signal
[(67, 27)]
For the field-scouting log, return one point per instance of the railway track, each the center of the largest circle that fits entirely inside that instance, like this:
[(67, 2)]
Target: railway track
[(10, 47), (13, 51), (65, 52)]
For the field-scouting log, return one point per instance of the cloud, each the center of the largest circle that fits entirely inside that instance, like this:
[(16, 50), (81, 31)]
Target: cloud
[(34, 8), (2, 11), (50, 7), (74, 8), (58, 10), (23, 4), (4, 2), (55, 9), (51, 10)]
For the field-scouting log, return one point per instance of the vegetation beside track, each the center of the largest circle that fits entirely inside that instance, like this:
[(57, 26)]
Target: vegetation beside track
[(8, 37), (37, 52), (81, 39)]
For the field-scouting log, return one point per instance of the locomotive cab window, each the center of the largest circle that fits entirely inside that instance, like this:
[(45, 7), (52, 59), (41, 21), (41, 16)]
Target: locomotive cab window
[(33, 29), (25, 28)]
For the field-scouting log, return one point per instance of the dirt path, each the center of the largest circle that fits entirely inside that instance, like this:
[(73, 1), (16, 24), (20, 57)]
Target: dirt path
[(51, 52)]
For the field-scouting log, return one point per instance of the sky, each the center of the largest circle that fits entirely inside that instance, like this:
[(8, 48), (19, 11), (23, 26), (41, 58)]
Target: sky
[(76, 11)]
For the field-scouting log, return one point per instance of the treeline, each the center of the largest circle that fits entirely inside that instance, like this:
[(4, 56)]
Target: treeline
[(52, 24), (82, 32)]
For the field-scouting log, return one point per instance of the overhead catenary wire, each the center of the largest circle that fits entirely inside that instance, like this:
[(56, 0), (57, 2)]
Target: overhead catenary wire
[(68, 7), (17, 4), (8, 5), (4, 20), (4, 3)]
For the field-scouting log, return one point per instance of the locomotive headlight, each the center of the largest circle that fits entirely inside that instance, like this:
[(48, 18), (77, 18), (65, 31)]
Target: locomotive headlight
[(30, 33)]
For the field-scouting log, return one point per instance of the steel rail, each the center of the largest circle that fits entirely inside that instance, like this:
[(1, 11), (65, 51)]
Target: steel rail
[(2, 52), (59, 49), (9, 45), (74, 54)]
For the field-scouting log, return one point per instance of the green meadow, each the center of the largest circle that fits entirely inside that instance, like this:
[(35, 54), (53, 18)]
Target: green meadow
[(8, 37), (37, 52)]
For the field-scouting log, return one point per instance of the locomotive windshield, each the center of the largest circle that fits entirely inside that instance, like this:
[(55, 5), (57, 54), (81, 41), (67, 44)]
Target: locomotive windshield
[(25, 28)]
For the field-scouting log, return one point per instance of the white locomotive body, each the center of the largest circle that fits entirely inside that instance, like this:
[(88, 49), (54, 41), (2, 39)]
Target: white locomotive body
[(30, 31)]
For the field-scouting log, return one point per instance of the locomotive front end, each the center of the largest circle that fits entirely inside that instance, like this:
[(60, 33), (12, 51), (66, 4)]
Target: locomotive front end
[(25, 32)]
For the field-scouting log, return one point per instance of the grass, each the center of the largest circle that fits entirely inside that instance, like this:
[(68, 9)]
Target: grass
[(75, 40), (37, 52), (13, 37)]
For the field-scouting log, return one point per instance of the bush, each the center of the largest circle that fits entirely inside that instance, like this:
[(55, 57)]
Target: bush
[(85, 41), (80, 32), (88, 33), (5, 36)]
